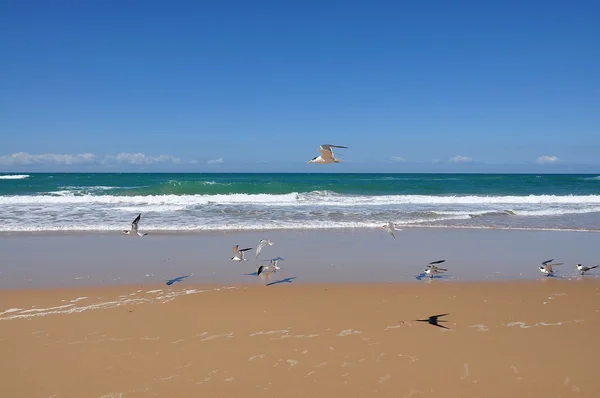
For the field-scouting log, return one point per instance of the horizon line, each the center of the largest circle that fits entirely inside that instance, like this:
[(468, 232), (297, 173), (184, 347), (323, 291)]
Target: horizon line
[(288, 172)]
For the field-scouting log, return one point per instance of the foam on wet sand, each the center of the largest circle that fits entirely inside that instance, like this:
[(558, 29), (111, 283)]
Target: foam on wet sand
[(500, 339)]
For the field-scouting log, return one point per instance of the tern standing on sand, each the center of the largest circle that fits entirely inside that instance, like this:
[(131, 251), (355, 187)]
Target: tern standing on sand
[(326, 156), (134, 227), (238, 255), (261, 244), (584, 268), (432, 269), (390, 228)]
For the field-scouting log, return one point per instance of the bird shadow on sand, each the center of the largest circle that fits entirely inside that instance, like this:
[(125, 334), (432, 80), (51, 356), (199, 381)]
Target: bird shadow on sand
[(285, 280), (423, 275), (175, 280), (554, 275), (434, 320), (252, 274)]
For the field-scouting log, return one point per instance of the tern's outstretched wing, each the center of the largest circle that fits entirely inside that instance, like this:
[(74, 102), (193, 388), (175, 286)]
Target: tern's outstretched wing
[(136, 222), (260, 246), (327, 152), (436, 262)]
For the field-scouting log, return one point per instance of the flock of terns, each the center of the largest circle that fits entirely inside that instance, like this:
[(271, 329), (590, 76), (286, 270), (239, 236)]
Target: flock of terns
[(266, 270), (547, 267), (262, 270), (327, 157)]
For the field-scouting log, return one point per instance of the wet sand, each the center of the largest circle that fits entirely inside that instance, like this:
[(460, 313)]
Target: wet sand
[(523, 339), (348, 256)]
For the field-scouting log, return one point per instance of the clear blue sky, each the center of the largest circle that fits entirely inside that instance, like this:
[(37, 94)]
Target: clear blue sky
[(407, 85)]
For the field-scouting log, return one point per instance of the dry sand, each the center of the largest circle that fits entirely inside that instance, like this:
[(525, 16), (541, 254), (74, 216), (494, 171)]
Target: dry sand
[(504, 339)]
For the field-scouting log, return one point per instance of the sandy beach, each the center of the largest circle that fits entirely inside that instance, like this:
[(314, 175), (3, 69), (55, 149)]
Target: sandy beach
[(92, 315), (528, 338), (422, 180)]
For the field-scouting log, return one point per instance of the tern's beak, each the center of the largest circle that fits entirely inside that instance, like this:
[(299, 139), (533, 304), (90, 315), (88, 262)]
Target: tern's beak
[(309, 162)]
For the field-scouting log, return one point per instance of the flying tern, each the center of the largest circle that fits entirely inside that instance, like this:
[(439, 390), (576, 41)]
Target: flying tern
[(390, 228), (274, 262), (433, 269), (134, 227), (265, 271), (238, 254), (326, 156), (547, 268), (261, 244)]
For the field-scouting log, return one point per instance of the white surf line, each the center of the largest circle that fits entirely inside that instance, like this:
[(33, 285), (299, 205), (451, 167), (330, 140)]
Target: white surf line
[(207, 337), (523, 325), (78, 299), (391, 327), (74, 310), (348, 332), (255, 357), (263, 333), (20, 313), (297, 336), (10, 310), (46, 309), (480, 327)]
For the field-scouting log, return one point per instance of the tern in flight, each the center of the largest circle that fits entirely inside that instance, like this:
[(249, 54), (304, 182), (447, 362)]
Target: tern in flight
[(585, 268), (326, 156), (433, 269), (261, 244), (390, 228), (546, 267), (265, 271), (134, 227), (270, 268), (238, 255)]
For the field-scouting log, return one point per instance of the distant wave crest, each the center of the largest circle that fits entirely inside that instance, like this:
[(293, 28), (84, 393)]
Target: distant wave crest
[(322, 198), (14, 177)]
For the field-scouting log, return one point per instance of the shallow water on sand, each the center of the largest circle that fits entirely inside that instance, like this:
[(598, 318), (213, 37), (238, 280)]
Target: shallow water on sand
[(55, 260)]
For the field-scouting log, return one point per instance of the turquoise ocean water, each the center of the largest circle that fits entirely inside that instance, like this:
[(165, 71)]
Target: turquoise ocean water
[(197, 202)]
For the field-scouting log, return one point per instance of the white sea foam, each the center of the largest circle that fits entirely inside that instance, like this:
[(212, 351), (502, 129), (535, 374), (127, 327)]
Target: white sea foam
[(18, 313), (314, 210), (322, 198), (14, 177)]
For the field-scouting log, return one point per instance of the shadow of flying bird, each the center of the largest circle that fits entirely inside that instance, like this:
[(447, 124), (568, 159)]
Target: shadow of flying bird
[(433, 320), (286, 280), (178, 279)]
